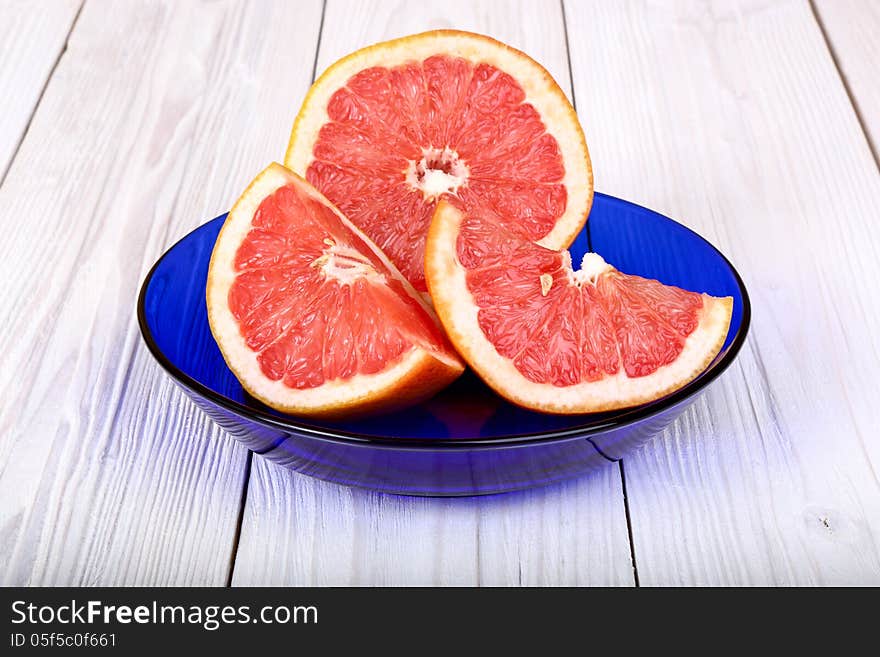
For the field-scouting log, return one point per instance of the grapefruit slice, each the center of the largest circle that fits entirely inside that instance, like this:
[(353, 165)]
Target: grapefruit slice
[(310, 316), (388, 131), (561, 341)]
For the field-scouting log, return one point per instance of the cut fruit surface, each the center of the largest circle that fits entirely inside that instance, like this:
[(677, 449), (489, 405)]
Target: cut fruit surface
[(553, 339), (309, 314), (388, 131)]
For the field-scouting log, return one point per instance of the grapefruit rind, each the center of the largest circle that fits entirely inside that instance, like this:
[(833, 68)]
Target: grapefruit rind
[(454, 304), (540, 88), (416, 376)]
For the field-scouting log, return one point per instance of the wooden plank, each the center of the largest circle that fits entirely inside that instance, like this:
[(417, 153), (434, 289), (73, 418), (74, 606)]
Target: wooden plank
[(30, 43), (299, 531), (157, 116), (731, 117), (852, 28)]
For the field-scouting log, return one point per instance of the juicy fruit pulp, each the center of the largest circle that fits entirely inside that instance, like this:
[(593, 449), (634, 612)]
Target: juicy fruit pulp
[(557, 340), (563, 327), (309, 314), (399, 139), (314, 302)]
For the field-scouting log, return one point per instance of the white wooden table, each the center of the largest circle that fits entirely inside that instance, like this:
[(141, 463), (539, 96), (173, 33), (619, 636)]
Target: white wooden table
[(124, 125)]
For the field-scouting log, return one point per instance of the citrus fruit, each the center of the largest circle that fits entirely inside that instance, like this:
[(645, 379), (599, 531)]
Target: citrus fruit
[(553, 339), (389, 130), (310, 316)]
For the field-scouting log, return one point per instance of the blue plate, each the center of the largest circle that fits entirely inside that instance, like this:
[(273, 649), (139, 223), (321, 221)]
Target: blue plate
[(466, 440)]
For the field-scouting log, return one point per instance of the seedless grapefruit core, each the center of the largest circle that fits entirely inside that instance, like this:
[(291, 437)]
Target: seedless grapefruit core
[(310, 316), (556, 340), (391, 129)]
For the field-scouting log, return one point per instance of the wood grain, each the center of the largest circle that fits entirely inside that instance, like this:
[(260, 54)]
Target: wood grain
[(30, 44), (156, 117), (299, 531), (731, 117), (852, 28)]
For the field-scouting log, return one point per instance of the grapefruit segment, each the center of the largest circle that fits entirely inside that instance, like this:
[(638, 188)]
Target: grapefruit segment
[(557, 340), (309, 314), (390, 130)]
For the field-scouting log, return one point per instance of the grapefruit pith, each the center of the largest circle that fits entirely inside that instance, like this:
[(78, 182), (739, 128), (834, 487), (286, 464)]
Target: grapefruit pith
[(309, 314), (388, 131), (556, 340)]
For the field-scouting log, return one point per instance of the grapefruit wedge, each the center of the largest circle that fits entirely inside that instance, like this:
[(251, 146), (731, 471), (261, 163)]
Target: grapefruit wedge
[(310, 316), (556, 340), (388, 131)]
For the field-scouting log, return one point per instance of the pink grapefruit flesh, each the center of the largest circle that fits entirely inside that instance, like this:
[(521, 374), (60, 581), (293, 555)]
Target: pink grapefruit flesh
[(554, 339), (389, 131), (311, 316)]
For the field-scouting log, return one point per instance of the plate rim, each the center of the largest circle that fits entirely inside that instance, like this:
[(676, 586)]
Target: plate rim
[(623, 418)]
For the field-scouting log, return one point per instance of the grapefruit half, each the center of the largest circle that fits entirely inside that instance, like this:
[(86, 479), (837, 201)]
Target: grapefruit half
[(309, 314), (388, 131), (556, 340)]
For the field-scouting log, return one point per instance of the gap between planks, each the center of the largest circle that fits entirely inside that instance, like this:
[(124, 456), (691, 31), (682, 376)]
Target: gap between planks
[(242, 506), (817, 16), (48, 79), (620, 466), (238, 523)]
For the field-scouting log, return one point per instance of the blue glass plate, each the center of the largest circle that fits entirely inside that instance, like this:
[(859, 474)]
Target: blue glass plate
[(466, 440)]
